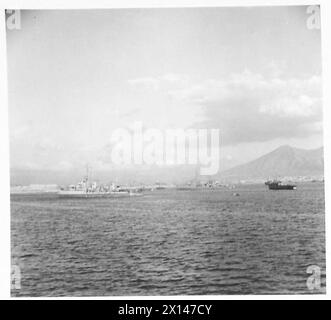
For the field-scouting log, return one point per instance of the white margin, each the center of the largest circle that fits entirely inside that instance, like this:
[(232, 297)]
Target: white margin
[(4, 167)]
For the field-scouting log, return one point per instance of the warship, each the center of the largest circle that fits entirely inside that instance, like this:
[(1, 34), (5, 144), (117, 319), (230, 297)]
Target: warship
[(278, 185), (87, 189)]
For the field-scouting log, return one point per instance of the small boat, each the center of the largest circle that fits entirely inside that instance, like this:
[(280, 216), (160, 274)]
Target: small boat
[(278, 185)]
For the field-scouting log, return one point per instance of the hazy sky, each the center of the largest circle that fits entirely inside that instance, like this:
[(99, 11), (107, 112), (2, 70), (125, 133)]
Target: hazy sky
[(74, 76)]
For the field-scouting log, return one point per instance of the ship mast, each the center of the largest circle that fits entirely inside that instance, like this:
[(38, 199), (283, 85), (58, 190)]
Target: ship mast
[(87, 177)]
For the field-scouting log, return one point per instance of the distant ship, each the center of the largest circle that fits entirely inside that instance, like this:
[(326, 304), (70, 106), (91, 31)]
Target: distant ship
[(87, 189), (278, 185)]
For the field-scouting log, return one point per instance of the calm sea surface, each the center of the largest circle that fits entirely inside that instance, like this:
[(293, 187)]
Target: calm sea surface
[(170, 242)]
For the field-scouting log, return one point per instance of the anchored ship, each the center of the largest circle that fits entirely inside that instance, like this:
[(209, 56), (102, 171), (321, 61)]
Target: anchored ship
[(87, 189), (278, 185)]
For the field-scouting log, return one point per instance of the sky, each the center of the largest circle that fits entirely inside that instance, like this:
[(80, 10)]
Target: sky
[(74, 76)]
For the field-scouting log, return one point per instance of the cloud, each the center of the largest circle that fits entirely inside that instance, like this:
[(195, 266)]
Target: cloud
[(163, 82), (146, 83), (250, 107)]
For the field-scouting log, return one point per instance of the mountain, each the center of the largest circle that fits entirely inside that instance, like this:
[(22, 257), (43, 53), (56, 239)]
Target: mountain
[(135, 174), (284, 161)]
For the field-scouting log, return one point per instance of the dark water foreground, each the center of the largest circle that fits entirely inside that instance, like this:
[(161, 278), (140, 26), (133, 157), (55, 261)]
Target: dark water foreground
[(170, 242)]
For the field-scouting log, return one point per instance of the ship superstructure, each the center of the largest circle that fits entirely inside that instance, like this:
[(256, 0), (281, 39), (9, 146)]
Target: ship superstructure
[(87, 189), (278, 185)]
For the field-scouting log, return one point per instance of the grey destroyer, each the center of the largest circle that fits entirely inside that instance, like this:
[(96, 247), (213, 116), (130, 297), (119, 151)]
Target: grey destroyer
[(88, 189)]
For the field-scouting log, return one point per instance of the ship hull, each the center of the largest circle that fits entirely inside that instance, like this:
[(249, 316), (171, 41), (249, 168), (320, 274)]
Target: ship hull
[(85, 195), (282, 187)]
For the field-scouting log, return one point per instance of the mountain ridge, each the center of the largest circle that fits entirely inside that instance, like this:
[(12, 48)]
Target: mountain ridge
[(283, 161)]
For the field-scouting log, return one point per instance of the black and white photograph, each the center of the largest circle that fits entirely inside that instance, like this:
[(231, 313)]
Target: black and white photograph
[(166, 151)]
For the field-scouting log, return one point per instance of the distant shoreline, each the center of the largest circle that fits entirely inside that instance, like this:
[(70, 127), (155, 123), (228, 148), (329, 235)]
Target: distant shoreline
[(178, 188)]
